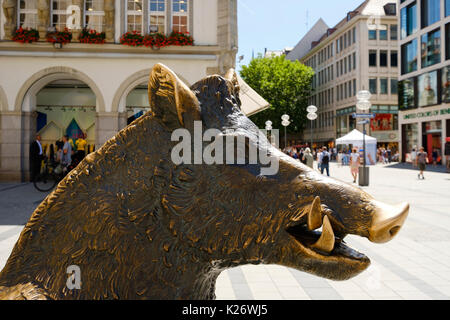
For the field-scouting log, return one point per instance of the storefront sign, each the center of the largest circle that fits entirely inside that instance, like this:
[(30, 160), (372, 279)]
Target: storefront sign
[(426, 114), (385, 136)]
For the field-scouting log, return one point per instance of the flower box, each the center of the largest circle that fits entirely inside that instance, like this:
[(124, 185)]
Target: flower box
[(62, 37), (92, 36), (25, 35)]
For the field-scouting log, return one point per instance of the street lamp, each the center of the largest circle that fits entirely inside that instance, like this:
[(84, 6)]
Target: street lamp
[(285, 122), (268, 129), (312, 115), (363, 104)]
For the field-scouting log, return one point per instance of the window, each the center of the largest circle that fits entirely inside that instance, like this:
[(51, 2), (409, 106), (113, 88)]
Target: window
[(383, 86), (345, 65), (345, 41), (447, 8), (394, 59), (393, 28), (354, 60), (354, 35), (406, 94), (447, 41), (446, 86), (180, 16), (383, 32), (372, 34), (427, 89), (59, 13), (28, 14), (337, 45), (95, 15), (157, 16), (383, 58), (354, 87), (373, 85), (394, 86), (430, 12), (408, 20), (409, 56), (134, 15), (372, 58), (431, 48)]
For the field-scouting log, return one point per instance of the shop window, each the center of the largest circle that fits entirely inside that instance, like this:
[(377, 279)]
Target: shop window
[(407, 94), (446, 84), (427, 89)]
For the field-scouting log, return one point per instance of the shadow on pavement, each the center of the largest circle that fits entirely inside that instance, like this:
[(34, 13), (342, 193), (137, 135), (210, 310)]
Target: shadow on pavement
[(408, 166)]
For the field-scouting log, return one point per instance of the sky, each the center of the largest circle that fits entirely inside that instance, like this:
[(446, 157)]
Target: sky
[(276, 24)]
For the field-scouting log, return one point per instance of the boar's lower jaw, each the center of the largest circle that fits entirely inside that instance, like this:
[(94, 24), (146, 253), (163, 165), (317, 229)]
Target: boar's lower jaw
[(328, 250)]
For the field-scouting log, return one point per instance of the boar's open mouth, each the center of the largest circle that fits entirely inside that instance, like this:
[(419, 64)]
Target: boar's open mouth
[(325, 243)]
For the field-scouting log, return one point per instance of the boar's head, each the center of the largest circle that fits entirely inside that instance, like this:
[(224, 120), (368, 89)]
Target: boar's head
[(139, 224), (248, 217)]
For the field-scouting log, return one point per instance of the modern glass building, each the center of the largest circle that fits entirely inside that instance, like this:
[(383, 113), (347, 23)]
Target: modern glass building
[(424, 80)]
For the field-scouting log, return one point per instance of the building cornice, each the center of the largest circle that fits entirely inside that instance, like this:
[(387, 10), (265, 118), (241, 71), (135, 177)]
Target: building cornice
[(117, 51)]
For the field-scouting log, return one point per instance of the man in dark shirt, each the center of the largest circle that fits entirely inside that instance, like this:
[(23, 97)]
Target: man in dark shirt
[(36, 156)]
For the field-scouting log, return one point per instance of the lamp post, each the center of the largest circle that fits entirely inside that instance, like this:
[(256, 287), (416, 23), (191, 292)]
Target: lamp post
[(312, 115), (268, 129), (363, 104), (285, 122)]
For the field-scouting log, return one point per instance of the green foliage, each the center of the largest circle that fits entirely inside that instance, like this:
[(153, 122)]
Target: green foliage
[(286, 85)]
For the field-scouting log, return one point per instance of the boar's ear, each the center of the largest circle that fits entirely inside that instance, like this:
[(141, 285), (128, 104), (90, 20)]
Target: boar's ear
[(232, 77), (170, 99)]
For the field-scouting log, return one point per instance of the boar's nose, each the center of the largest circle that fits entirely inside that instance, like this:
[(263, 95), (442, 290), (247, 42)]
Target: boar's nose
[(387, 221)]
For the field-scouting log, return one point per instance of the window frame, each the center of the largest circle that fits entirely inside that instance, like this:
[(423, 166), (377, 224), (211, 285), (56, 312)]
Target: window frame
[(57, 12), (135, 13), (182, 14), (26, 12), (93, 13)]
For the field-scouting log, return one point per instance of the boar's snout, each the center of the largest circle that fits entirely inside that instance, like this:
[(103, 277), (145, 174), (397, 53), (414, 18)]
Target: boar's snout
[(387, 221)]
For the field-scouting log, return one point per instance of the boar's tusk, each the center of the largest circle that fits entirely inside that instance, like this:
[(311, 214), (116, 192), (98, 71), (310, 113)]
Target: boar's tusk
[(326, 240), (315, 215)]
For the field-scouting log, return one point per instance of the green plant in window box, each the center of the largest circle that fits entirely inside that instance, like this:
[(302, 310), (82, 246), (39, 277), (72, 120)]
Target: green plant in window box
[(25, 35), (62, 37), (92, 36)]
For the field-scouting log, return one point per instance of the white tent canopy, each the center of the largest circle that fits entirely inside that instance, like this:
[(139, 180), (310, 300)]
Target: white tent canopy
[(356, 138), (251, 101)]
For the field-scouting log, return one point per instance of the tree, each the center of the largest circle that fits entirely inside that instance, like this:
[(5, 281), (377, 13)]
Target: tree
[(285, 84)]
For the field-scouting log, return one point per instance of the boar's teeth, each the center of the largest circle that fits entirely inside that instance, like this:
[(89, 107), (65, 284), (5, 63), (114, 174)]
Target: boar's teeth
[(326, 240), (315, 215)]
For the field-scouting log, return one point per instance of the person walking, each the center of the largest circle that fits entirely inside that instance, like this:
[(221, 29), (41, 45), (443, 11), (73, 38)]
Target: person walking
[(325, 161), (36, 157), (447, 153), (308, 158), (319, 159), (414, 156), (422, 160), (354, 164), (67, 152)]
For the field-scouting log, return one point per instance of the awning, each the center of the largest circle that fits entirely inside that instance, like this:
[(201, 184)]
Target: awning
[(355, 137), (251, 101)]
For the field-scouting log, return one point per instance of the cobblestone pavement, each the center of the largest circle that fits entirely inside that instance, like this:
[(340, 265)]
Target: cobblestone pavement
[(415, 265)]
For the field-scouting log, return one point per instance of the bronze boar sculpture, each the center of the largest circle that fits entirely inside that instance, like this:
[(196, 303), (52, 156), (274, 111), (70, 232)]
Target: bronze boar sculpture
[(139, 226)]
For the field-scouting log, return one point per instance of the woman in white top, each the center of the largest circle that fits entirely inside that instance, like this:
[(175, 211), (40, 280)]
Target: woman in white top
[(354, 164)]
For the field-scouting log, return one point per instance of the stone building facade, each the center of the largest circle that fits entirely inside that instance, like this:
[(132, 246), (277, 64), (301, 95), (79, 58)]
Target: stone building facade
[(97, 88)]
